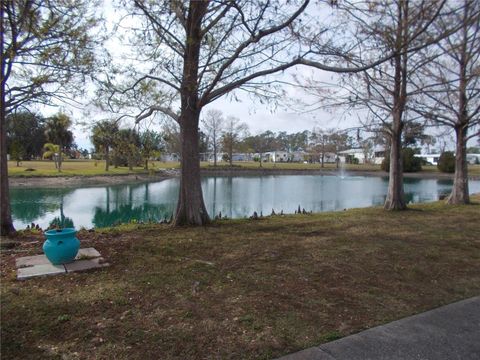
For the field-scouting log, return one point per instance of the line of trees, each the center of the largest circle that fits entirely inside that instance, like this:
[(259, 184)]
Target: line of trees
[(125, 146), (405, 60), (31, 136)]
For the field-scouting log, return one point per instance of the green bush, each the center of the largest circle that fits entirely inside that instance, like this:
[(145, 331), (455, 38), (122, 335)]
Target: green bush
[(411, 163), (446, 163)]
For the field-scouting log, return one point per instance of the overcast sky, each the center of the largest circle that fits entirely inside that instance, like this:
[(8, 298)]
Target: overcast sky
[(258, 117)]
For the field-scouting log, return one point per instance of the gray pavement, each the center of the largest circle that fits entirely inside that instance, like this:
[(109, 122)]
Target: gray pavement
[(446, 333)]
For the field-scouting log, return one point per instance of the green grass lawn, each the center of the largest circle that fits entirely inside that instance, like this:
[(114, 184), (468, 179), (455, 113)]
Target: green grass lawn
[(77, 167), (92, 167), (242, 289)]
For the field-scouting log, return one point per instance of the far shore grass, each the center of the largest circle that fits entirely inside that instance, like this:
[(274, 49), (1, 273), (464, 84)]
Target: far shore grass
[(242, 289), (46, 168)]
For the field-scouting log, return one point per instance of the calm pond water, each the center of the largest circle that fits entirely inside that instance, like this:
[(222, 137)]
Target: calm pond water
[(234, 197)]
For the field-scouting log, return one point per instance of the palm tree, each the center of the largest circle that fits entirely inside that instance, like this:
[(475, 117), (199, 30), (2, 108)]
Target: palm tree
[(103, 137), (58, 133), (50, 152)]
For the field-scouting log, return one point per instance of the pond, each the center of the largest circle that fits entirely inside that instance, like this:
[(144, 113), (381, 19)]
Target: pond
[(234, 197)]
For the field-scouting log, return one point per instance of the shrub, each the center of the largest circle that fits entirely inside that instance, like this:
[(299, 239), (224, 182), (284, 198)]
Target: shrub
[(446, 163), (411, 163)]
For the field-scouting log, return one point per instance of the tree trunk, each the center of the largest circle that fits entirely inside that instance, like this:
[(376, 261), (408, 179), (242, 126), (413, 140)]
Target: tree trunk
[(460, 193), (107, 158), (214, 149), (395, 197), (191, 208), (146, 164), (60, 157), (6, 223)]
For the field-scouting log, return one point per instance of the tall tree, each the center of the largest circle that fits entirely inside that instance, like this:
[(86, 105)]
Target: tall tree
[(46, 45), (57, 131), (103, 138), (27, 131), (214, 48), (150, 145), (321, 144), (127, 146), (213, 123), (452, 82), (234, 129), (403, 27)]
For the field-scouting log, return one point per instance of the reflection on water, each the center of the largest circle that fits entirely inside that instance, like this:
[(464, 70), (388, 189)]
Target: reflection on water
[(234, 197)]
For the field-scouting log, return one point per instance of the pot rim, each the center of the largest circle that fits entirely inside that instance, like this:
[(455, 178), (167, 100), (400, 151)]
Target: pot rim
[(62, 231)]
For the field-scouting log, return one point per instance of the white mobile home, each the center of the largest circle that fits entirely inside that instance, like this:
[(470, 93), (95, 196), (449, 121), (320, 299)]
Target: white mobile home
[(431, 159)]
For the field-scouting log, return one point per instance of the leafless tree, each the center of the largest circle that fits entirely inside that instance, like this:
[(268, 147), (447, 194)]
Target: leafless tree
[(451, 88), (386, 92), (234, 130), (214, 123)]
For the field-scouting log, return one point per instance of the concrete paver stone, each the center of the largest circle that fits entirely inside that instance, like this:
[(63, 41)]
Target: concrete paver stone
[(40, 270), (31, 261), (38, 265)]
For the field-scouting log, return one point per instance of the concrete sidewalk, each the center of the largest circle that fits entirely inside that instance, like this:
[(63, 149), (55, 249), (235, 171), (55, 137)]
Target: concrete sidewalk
[(447, 333)]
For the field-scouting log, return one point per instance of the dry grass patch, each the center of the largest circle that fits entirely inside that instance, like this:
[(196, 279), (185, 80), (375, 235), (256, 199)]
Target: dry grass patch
[(243, 289)]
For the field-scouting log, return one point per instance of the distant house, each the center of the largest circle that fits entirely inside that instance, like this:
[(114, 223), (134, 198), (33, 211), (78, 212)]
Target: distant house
[(473, 159), (347, 156), (329, 158), (276, 156), (431, 159), (297, 156), (379, 153), (375, 155)]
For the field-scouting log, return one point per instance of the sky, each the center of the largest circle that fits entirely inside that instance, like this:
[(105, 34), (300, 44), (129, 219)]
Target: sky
[(259, 117)]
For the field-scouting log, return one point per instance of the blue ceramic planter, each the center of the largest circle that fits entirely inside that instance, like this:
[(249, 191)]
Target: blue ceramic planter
[(61, 245)]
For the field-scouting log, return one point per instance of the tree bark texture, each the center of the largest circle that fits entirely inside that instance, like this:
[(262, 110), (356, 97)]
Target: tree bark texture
[(6, 223), (191, 208), (395, 196), (6, 226), (460, 193)]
